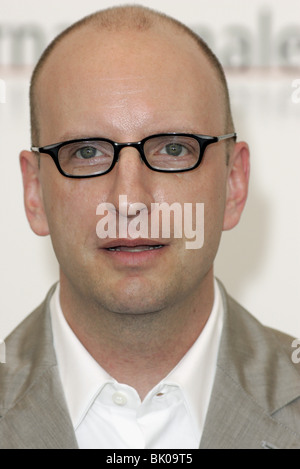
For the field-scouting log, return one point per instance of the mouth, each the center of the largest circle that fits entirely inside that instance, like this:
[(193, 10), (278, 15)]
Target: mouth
[(134, 250), (141, 248)]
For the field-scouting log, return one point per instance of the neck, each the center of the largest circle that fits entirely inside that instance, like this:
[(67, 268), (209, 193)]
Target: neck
[(139, 349)]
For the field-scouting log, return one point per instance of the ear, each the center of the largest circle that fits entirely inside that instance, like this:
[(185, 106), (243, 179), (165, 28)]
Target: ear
[(237, 185), (33, 199)]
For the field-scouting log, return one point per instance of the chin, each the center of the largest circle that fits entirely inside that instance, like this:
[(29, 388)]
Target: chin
[(136, 299)]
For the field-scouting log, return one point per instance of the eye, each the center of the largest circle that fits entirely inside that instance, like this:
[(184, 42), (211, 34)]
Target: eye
[(174, 149), (88, 152)]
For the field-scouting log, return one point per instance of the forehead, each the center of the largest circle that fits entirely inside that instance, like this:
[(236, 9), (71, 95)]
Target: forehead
[(128, 81)]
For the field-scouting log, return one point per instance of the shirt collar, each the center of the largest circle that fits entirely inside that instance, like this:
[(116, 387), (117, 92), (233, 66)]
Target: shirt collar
[(195, 372), (83, 378)]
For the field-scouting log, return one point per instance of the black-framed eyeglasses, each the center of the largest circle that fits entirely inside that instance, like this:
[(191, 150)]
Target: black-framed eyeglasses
[(166, 152)]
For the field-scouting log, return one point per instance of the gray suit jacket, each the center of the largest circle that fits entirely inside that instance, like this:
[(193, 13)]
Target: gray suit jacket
[(255, 401)]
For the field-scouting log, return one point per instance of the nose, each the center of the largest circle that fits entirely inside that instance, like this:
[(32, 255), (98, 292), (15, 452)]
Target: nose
[(133, 179)]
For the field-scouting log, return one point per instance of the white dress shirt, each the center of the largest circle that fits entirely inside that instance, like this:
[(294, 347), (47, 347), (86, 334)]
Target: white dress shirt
[(110, 415)]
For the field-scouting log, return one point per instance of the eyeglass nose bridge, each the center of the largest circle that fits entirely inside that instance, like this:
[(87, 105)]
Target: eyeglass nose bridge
[(118, 147)]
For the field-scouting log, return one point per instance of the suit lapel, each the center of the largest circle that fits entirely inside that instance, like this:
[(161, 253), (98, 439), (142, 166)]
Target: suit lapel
[(33, 411), (236, 421), (254, 381), (40, 420)]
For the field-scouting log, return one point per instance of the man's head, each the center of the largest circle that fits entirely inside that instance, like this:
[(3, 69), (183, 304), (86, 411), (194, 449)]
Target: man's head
[(137, 19), (125, 74)]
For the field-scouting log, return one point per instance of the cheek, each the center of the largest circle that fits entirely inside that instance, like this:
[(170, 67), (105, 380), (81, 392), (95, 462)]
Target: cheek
[(208, 188), (215, 202), (71, 211), (206, 185)]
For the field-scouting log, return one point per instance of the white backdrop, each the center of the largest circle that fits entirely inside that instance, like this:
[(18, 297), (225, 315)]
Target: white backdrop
[(259, 260)]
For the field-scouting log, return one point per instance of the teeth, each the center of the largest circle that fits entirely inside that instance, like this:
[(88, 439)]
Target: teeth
[(135, 248)]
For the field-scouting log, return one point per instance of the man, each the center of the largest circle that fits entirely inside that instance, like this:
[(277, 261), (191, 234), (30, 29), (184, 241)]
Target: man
[(138, 346)]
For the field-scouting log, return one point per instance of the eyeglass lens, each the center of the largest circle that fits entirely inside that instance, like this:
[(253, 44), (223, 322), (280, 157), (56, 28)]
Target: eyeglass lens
[(170, 153)]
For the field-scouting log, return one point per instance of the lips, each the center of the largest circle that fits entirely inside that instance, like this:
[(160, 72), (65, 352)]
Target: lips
[(135, 248), (133, 245), (134, 255)]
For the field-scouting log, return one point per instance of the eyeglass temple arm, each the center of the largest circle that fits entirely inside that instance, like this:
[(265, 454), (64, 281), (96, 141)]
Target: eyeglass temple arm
[(224, 137)]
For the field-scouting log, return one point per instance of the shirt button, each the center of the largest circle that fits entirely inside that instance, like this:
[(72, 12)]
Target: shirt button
[(119, 398)]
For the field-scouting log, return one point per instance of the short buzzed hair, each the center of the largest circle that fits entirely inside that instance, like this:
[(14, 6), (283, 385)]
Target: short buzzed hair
[(130, 18)]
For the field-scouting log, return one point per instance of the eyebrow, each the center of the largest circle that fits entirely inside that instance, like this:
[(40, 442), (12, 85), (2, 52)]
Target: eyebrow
[(74, 136)]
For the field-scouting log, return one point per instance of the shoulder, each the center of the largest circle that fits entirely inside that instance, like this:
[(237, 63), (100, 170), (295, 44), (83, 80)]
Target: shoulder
[(261, 362), (29, 351), (253, 334)]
